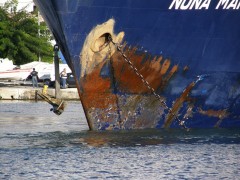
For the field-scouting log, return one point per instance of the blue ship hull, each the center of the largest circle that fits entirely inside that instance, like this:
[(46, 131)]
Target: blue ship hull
[(178, 66)]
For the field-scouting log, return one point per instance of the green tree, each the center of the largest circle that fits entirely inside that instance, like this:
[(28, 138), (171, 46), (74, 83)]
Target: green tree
[(19, 36)]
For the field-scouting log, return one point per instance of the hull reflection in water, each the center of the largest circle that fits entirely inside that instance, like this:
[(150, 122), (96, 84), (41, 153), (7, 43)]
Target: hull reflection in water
[(177, 66), (157, 137)]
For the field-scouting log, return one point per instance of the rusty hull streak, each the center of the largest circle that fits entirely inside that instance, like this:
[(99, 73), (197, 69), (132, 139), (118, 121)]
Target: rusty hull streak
[(189, 112), (220, 114), (177, 105), (130, 106), (156, 72), (93, 84), (185, 69)]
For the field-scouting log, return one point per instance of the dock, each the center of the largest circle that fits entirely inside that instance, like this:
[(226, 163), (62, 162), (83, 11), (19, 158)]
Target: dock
[(17, 92)]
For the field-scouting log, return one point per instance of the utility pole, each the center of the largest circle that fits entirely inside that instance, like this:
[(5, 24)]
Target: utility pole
[(39, 57), (57, 76)]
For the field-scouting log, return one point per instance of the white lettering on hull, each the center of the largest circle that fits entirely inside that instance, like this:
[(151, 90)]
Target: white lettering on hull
[(204, 4)]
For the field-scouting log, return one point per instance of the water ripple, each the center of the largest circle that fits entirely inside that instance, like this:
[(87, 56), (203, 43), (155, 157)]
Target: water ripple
[(40, 145)]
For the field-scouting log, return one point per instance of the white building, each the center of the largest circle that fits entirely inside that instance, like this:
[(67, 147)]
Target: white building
[(27, 5)]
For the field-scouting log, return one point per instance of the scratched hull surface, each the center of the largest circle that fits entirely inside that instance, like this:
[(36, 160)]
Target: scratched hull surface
[(185, 56)]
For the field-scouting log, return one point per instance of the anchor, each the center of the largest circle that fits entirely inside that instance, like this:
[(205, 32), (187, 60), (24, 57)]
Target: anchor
[(58, 104)]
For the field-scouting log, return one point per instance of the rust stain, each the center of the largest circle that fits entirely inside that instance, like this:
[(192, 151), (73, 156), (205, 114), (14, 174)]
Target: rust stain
[(189, 112), (96, 90), (156, 71), (169, 75), (173, 70), (94, 81), (165, 67), (185, 69), (221, 114), (178, 104), (214, 113), (155, 63)]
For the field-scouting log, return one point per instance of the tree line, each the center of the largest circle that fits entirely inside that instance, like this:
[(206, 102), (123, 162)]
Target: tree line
[(22, 38)]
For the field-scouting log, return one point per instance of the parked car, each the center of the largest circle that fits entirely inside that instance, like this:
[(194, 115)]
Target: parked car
[(71, 81)]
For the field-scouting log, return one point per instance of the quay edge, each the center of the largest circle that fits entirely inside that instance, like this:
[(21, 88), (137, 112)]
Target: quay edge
[(28, 93)]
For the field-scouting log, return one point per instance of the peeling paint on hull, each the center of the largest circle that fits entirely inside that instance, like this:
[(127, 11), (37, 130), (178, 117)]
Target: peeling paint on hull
[(190, 59), (122, 101)]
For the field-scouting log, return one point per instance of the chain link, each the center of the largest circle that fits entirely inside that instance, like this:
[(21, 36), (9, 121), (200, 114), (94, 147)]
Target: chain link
[(146, 83)]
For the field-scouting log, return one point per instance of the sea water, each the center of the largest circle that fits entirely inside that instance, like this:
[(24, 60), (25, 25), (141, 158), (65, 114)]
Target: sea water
[(37, 144)]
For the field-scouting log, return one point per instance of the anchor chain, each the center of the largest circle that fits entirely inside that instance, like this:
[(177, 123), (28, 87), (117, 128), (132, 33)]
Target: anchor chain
[(146, 83)]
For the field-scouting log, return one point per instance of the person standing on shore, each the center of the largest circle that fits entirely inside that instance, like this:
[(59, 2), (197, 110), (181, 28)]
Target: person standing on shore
[(63, 76), (34, 75)]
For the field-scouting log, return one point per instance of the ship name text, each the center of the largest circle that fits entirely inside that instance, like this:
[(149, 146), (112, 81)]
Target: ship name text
[(204, 4)]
